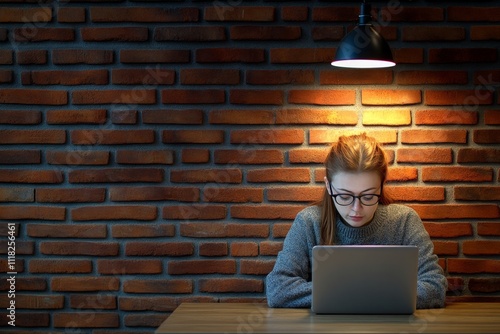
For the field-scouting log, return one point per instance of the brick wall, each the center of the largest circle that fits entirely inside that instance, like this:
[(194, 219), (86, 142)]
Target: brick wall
[(157, 152)]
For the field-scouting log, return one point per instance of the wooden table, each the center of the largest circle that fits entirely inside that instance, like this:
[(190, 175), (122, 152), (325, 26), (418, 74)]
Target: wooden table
[(258, 318)]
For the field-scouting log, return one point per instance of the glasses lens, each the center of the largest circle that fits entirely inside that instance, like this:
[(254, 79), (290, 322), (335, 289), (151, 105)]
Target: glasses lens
[(369, 199), (344, 199)]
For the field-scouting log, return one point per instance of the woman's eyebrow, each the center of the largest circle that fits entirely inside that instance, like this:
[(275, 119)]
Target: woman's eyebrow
[(348, 191)]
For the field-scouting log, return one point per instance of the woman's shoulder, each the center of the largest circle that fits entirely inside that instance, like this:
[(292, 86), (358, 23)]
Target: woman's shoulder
[(397, 211), (311, 213)]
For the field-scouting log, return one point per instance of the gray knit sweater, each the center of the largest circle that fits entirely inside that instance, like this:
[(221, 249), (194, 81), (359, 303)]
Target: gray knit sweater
[(289, 283)]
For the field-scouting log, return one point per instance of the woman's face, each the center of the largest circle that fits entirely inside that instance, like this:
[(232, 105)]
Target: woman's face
[(355, 214)]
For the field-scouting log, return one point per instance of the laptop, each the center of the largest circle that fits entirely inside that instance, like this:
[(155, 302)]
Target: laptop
[(364, 279)]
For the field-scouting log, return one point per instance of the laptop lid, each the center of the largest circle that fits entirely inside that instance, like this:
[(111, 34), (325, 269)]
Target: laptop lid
[(364, 279)]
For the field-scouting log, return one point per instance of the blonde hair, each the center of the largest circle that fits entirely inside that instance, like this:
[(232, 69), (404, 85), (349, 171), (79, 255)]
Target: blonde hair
[(354, 154)]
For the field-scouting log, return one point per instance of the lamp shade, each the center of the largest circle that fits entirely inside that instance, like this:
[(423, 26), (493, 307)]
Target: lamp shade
[(363, 47)]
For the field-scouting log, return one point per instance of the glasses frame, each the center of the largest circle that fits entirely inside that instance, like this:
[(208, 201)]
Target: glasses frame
[(359, 197)]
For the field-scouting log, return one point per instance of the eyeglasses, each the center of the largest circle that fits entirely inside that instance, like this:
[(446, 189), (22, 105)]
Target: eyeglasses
[(347, 199)]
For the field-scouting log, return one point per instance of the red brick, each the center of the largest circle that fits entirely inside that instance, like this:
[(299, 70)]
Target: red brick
[(222, 285), (114, 212), (488, 229), (77, 157), (124, 117), (162, 304), (223, 12), (471, 13), (279, 77), (213, 249), (22, 247), (184, 96), (33, 212), (244, 249), (327, 33), (227, 230), (477, 193), (294, 13), (392, 117), (230, 55), (33, 96), (416, 193), (33, 137), (320, 136), (71, 15), (82, 56), (232, 195), (26, 15), (58, 266), (256, 267), (456, 211), (243, 211), (486, 136), (85, 116), (14, 194), (484, 285), (316, 116), (6, 76), (307, 155), (87, 77), (481, 247), (248, 157), (190, 34), (116, 175), (209, 77), (131, 56), (492, 117), (478, 155), (79, 248), (390, 97), (144, 14), (400, 13), (13, 157), (322, 97), (26, 284), (114, 34), (159, 249), (86, 320), (184, 116), (142, 231), (84, 284), (295, 194), (484, 33), (74, 195), (457, 174), (195, 156), (21, 117), (128, 267), (42, 34), (191, 212), (445, 117), (202, 267), (240, 117), (301, 55), (193, 136), (230, 175), (301, 175), (265, 33), (26, 57), (93, 302), (442, 248), (462, 55), (354, 77), (143, 193), (145, 157), (158, 286), (448, 230), (253, 96), (286, 136), (270, 247), (149, 76), (408, 56), (24, 301), (469, 99), (431, 77), (433, 136), (425, 155), (473, 266), (66, 231), (433, 33), (114, 96)]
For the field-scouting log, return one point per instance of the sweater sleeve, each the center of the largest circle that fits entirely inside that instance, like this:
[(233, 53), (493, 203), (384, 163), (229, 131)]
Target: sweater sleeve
[(431, 284), (289, 283)]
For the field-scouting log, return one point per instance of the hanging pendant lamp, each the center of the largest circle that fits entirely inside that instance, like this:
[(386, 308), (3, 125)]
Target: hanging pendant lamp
[(364, 47)]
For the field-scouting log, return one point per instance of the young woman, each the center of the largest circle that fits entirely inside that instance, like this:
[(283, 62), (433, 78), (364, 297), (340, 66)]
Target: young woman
[(354, 210)]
